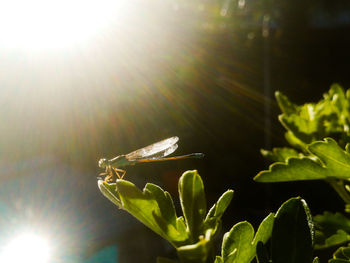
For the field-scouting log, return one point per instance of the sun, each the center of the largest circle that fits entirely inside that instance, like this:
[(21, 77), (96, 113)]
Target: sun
[(26, 248), (38, 24)]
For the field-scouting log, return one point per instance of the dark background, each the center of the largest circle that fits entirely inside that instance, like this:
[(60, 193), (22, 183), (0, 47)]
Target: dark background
[(205, 71)]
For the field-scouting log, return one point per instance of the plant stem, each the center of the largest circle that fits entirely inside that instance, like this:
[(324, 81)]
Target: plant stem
[(339, 187)]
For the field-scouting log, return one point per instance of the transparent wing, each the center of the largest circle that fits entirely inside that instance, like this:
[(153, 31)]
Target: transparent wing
[(156, 150), (159, 155)]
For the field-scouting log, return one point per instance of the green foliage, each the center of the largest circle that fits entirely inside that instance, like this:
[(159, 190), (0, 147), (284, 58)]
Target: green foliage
[(332, 230), (326, 160), (239, 244), (152, 206), (291, 240), (193, 234), (292, 233), (213, 218), (319, 132), (290, 230), (342, 255), (310, 122), (280, 154), (314, 121), (193, 203), (320, 135)]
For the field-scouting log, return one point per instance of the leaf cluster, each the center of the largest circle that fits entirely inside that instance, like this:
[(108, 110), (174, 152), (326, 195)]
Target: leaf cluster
[(319, 136), (192, 233), (281, 237)]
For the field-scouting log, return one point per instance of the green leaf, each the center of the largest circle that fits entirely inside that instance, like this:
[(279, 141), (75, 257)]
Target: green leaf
[(314, 121), (341, 255), (291, 240), (338, 238), (302, 125), (236, 244), (181, 225), (340, 101), (239, 244), (164, 201), (286, 106), (109, 191), (221, 205), (316, 260), (264, 230), (332, 230), (335, 159), (154, 208), (295, 169), (346, 252), (331, 162), (213, 218), (218, 259), (193, 203), (198, 252), (294, 141), (280, 154)]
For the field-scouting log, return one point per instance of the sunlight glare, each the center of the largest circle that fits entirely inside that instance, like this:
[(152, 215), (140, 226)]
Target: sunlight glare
[(26, 248), (38, 24)]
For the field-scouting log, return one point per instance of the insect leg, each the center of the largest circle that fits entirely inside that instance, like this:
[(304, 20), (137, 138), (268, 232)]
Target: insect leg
[(123, 172), (109, 174)]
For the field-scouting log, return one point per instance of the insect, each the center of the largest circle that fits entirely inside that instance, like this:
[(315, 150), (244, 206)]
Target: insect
[(152, 153)]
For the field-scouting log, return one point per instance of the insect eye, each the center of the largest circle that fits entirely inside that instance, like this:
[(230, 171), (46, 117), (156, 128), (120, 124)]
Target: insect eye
[(102, 162)]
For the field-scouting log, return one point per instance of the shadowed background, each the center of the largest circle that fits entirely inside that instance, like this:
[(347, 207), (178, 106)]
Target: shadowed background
[(203, 70)]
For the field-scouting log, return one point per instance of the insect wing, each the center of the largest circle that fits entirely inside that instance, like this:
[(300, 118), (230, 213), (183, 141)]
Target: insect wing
[(156, 150), (160, 155)]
